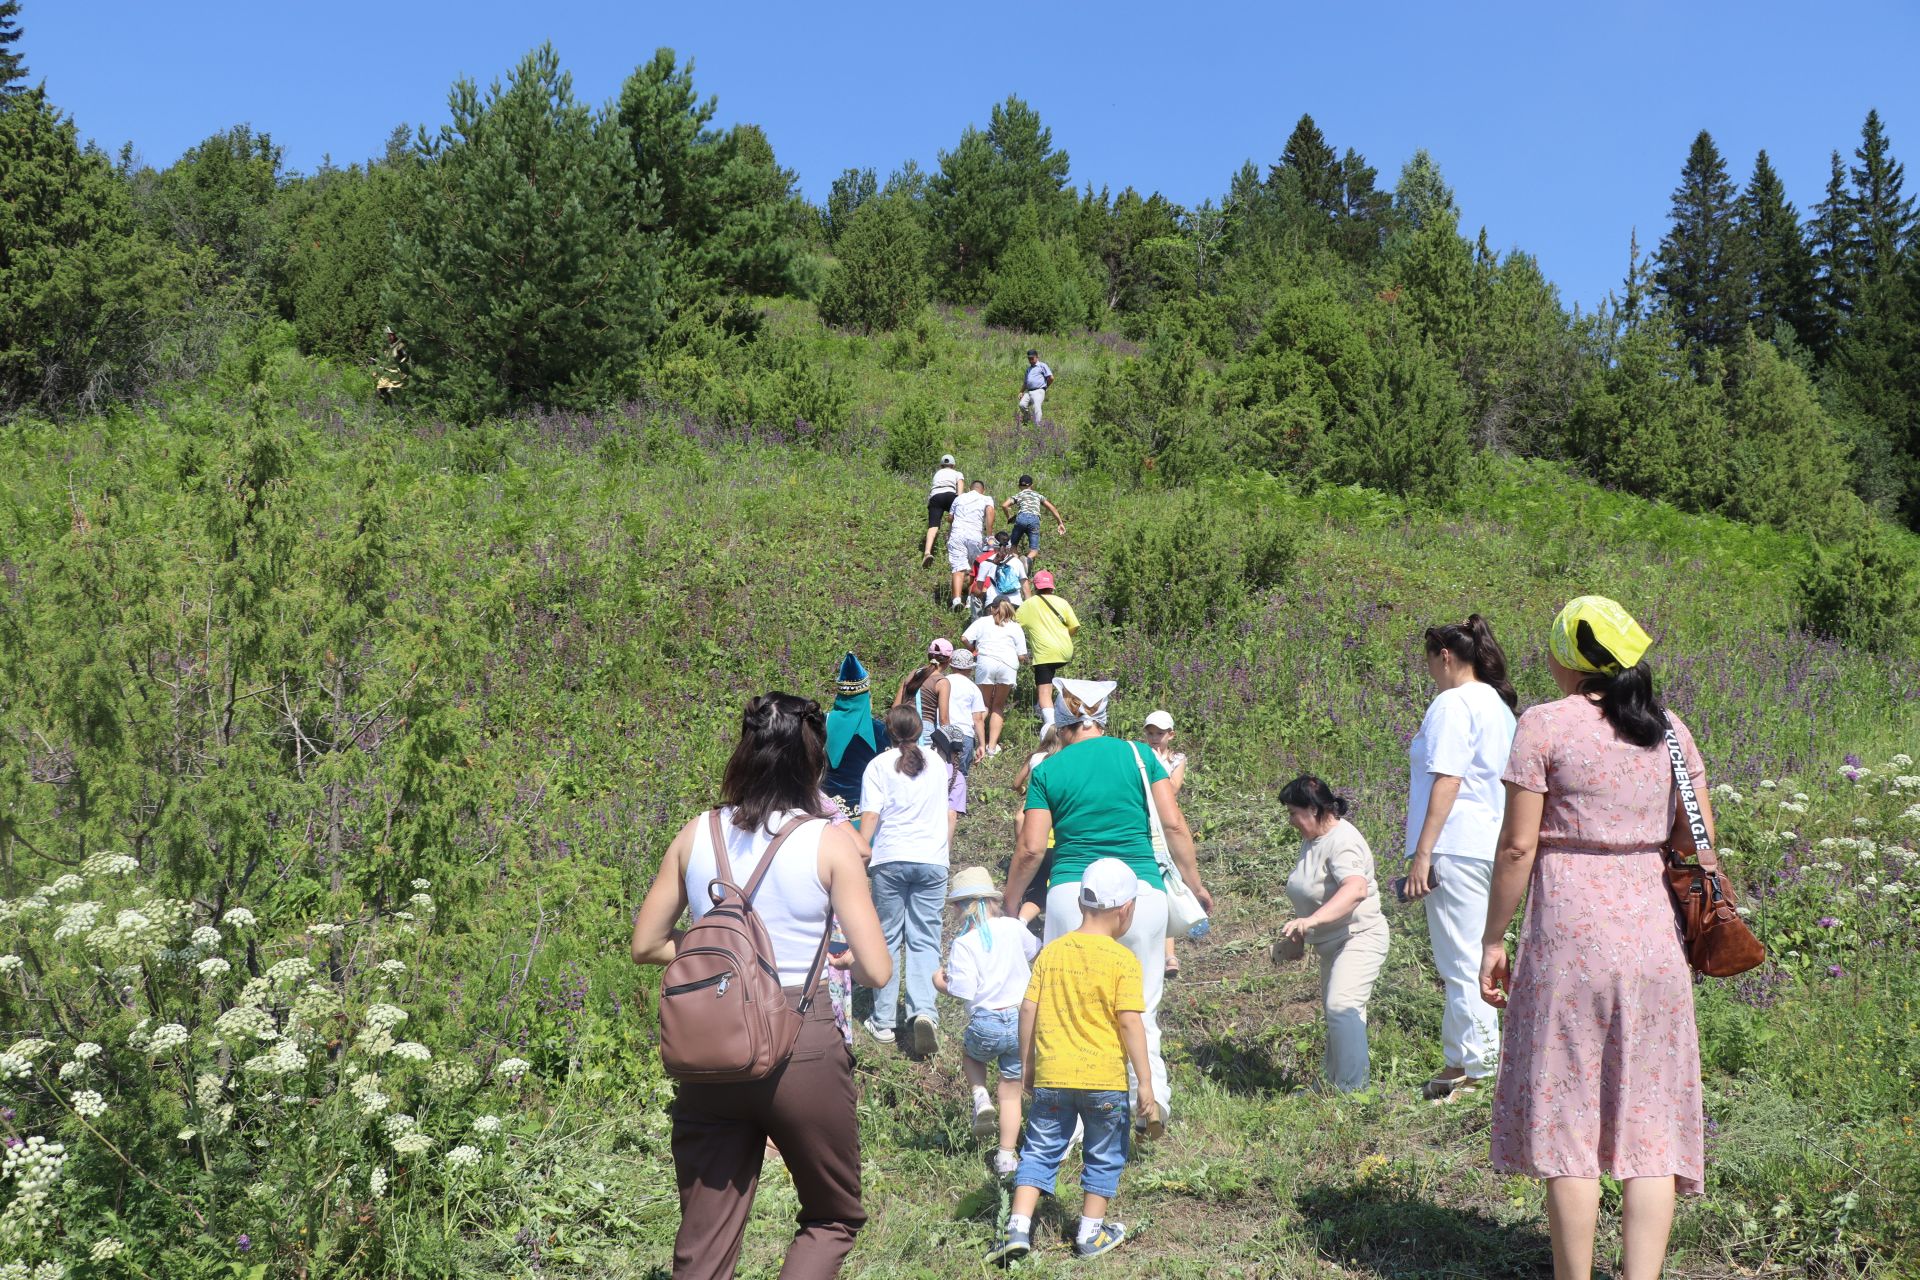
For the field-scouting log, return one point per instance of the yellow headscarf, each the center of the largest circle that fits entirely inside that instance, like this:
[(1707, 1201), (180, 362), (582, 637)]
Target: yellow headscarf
[(1612, 626)]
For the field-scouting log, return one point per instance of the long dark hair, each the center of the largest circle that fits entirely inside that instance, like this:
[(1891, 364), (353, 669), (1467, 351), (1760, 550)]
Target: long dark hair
[(777, 764), (1627, 700), (1308, 792), (920, 677), (1472, 642), (903, 728)]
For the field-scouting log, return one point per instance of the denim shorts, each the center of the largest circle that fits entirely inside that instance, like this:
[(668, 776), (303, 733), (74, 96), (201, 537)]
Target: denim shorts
[(1103, 1146), (1027, 527), (994, 1035)]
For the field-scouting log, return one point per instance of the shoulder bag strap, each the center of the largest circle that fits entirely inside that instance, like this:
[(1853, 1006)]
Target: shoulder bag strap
[(1050, 609), (1153, 811), (793, 824), (1690, 823)]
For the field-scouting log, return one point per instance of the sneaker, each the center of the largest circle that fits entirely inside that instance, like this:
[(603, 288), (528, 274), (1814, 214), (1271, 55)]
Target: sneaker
[(925, 1035), (1105, 1240), (883, 1034), (1151, 1127), (986, 1122), (926, 559), (1006, 1163), (1013, 1246)]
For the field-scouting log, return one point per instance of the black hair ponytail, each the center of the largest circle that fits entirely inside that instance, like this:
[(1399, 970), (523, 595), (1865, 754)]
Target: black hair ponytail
[(903, 729), (777, 764), (1472, 642), (1308, 792), (1627, 700)]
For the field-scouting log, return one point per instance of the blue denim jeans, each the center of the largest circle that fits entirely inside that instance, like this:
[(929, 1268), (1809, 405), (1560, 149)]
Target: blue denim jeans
[(993, 1035), (910, 897), (1103, 1146), (1027, 527)]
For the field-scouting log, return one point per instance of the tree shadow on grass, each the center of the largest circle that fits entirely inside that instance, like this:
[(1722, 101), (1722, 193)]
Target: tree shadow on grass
[(1381, 1225)]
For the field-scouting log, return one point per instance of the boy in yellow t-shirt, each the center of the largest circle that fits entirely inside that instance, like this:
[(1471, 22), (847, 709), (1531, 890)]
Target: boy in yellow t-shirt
[(1080, 1030)]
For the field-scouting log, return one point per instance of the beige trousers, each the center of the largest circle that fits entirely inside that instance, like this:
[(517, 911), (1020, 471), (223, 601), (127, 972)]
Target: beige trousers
[(1347, 972)]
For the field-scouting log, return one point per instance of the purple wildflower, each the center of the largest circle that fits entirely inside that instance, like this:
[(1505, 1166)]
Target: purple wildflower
[(243, 1242), (1835, 971), (1828, 922)]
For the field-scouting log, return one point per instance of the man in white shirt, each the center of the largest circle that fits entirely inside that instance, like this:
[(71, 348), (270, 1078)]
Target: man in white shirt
[(1033, 386), (972, 516)]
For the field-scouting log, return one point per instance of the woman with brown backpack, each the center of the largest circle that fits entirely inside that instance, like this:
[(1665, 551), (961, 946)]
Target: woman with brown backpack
[(768, 864)]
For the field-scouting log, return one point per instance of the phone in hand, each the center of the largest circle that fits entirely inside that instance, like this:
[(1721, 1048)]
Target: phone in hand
[(1399, 885), (837, 947)]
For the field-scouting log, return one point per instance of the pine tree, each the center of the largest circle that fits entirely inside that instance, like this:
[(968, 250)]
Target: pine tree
[(880, 280), (13, 70), (1830, 238), (1779, 283), (1882, 218), (986, 185), (1698, 260), (1421, 193), (853, 188), (527, 278)]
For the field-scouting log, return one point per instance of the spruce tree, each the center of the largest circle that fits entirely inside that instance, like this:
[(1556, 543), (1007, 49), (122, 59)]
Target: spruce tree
[(13, 70), (1311, 167), (1699, 257), (1882, 217), (1422, 193), (1830, 237), (1779, 283)]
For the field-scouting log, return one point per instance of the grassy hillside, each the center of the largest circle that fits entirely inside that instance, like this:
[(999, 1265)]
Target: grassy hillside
[(578, 606)]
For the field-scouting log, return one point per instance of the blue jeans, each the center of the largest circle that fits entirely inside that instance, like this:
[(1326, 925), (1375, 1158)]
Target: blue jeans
[(1027, 527), (993, 1035), (909, 897), (1103, 1147)]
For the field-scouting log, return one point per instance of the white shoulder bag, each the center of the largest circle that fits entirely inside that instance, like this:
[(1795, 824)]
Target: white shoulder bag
[(1184, 912)]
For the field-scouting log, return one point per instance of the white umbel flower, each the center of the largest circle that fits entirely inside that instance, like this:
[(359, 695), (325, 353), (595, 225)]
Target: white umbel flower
[(87, 1104), (463, 1157)]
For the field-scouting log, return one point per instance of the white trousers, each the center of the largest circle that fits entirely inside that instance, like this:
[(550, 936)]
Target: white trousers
[(1031, 402), (1456, 918), (1347, 972), (1147, 939)]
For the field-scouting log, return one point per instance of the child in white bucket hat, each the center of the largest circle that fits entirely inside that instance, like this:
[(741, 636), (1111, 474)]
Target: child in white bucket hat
[(988, 968)]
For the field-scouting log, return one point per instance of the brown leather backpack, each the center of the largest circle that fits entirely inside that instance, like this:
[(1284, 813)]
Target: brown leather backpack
[(724, 1018)]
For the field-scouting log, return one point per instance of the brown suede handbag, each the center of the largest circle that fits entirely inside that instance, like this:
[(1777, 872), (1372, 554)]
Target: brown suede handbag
[(1718, 942), (724, 1018)]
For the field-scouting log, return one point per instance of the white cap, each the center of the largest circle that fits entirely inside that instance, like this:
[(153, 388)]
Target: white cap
[(1160, 720), (1108, 883), (946, 459)]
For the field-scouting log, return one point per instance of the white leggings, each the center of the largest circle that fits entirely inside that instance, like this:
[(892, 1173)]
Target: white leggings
[(1147, 939), (1456, 915)]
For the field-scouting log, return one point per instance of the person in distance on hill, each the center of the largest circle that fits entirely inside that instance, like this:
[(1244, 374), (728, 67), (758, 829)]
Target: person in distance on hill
[(1454, 808), (1093, 796), (1336, 904), (1025, 507), (1600, 1065), (1159, 734), (987, 968), (1035, 382), (1002, 571), (1050, 624), (1082, 1035), (948, 484), (1001, 644), (807, 1106), (903, 813), (972, 522)]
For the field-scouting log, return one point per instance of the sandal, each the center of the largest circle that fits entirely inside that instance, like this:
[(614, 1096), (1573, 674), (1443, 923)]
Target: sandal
[(1440, 1088), (1172, 973)]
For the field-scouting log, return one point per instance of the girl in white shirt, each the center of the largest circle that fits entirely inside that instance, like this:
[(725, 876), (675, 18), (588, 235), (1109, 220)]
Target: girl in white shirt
[(1455, 805), (988, 968), (948, 484)]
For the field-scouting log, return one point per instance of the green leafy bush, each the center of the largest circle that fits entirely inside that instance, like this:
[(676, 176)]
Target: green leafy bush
[(1863, 587), (916, 437), (1197, 566)]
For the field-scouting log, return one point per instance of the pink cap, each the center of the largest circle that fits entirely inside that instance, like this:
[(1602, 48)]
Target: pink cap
[(1043, 581), (941, 648)]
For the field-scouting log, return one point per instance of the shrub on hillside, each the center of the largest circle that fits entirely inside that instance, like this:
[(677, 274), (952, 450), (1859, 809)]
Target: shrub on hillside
[(916, 437), (1043, 286), (1150, 417), (1863, 587), (1199, 566), (880, 280)]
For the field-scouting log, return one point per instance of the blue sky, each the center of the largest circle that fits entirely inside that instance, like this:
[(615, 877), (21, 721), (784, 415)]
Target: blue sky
[(1561, 127)]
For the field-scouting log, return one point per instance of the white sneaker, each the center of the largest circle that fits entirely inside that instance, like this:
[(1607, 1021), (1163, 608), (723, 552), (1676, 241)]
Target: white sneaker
[(986, 1121), (1006, 1163), (883, 1034)]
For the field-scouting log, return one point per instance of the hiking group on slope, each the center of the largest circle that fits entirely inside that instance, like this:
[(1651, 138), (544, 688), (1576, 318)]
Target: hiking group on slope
[(1567, 805)]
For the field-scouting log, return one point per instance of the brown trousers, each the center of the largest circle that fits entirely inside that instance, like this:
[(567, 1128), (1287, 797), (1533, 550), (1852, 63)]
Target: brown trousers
[(720, 1132)]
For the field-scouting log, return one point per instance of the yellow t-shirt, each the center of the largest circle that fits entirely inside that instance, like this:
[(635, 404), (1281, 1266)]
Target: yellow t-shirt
[(1049, 623), (1080, 983)]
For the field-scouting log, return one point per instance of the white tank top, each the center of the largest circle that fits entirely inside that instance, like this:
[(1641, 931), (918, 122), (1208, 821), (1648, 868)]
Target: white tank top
[(791, 901)]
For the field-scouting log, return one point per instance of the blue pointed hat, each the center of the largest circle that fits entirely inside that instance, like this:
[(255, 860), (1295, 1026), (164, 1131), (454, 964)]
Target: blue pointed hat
[(853, 677)]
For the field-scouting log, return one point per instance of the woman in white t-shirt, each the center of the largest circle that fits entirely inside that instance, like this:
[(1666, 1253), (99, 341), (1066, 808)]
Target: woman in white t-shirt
[(1000, 646), (948, 484), (1454, 809), (903, 814)]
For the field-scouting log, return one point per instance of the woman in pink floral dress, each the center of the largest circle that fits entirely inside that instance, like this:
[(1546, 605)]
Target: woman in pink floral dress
[(1600, 1069)]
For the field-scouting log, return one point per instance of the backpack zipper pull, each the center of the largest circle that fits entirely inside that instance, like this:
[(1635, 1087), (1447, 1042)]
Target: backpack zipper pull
[(721, 990)]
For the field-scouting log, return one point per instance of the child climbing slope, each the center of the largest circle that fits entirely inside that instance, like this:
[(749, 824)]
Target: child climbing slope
[(988, 968)]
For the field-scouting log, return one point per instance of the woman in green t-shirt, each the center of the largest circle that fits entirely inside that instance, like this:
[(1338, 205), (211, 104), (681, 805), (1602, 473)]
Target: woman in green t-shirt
[(1093, 794)]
